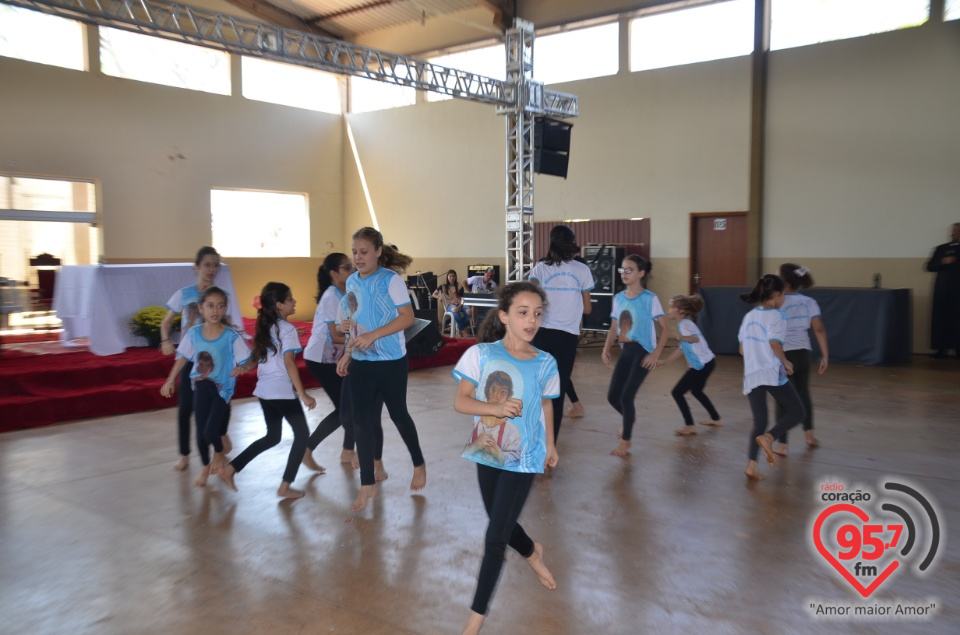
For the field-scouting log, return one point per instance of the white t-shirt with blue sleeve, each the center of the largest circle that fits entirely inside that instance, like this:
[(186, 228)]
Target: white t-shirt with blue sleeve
[(564, 283), (372, 302), (214, 359), (800, 311), (761, 367), (518, 444), (186, 302), (636, 317), (273, 381), (698, 353), (321, 348)]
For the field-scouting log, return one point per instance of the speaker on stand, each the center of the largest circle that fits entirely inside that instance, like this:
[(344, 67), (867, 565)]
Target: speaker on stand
[(603, 261)]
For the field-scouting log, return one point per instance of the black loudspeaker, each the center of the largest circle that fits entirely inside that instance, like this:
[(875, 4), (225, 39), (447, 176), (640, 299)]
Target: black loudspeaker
[(599, 317), (551, 146), (430, 315), (423, 338), (603, 261)]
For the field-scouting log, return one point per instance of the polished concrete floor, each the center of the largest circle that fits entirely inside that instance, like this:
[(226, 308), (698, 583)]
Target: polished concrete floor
[(98, 535)]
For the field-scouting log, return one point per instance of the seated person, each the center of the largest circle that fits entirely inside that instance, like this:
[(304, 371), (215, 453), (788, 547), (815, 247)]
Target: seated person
[(451, 299), (479, 284)]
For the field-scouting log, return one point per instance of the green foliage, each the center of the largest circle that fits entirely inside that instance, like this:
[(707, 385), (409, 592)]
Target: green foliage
[(146, 322)]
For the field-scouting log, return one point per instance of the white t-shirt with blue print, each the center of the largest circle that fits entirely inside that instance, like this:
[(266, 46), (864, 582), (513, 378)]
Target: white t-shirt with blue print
[(761, 367), (214, 359), (521, 442), (636, 317), (698, 353), (800, 311), (372, 302), (321, 348), (564, 284), (273, 381)]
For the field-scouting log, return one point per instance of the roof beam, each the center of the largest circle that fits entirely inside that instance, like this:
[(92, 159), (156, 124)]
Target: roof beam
[(281, 17)]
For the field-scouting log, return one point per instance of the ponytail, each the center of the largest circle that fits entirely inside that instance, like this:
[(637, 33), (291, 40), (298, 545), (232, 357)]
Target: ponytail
[(563, 246), (766, 286), (330, 264), (795, 276)]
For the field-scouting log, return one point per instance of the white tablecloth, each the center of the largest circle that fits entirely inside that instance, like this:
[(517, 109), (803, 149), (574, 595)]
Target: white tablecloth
[(97, 301)]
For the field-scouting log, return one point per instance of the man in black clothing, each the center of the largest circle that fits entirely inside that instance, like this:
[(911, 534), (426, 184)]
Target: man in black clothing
[(945, 315)]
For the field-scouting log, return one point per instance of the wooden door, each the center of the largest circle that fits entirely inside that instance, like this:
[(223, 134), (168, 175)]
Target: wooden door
[(718, 250)]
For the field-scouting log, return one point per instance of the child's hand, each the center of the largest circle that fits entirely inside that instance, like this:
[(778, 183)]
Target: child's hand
[(308, 401), (238, 370), (168, 388), (343, 366), (552, 457), (509, 409), (345, 326), (823, 365), (789, 367), (676, 335), (607, 359), (363, 342), (166, 347), (650, 361), (661, 362)]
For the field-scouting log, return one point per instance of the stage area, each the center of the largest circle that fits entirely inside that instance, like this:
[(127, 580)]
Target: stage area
[(98, 535)]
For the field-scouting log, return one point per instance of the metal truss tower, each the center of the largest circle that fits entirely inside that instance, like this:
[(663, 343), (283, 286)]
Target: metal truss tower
[(519, 97)]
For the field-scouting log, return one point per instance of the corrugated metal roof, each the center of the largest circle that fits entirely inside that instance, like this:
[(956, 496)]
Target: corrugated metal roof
[(348, 18)]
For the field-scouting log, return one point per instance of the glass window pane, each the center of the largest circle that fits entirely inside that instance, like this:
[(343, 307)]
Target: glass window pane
[(249, 224), (951, 10), (802, 22), (580, 54), (38, 37), (367, 95), (152, 59), (687, 36), (290, 85), (490, 61)]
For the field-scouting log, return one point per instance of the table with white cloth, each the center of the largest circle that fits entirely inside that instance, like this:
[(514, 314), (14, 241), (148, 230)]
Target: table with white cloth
[(97, 301)]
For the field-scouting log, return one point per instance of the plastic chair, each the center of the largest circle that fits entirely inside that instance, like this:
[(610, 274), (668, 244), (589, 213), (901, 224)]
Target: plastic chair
[(453, 330)]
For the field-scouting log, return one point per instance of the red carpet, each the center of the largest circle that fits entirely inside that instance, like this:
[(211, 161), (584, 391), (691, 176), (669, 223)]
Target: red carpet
[(42, 389)]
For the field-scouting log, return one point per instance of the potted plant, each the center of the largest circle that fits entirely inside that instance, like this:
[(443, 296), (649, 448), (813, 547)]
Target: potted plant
[(146, 323)]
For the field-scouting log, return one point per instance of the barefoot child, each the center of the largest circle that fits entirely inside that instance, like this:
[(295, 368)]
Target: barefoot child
[(376, 355), (221, 349), (632, 324), (700, 359), (506, 351), (184, 302), (275, 347), (765, 369)]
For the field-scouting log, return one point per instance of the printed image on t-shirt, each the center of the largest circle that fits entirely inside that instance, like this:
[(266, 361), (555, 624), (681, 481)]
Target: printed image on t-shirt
[(351, 309), (205, 367), (625, 325), (495, 440), (191, 315)]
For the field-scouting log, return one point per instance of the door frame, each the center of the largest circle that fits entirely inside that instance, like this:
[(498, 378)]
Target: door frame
[(692, 268)]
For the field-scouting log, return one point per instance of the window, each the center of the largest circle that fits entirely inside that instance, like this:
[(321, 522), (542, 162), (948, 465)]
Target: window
[(802, 22), (46, 215), (490, 61), (367, 95), (290, 85), (252, 224), (686, 36), (951, 10), (577, 54), (153, 59), (38, 37)]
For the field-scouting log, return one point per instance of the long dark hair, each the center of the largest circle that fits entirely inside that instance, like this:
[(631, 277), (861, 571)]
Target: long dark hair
[(330, 264), (766, 286), (492, 329), (268, 318), (206, 251), (390, 257), (795, 276), (643, 265), (563, 246)]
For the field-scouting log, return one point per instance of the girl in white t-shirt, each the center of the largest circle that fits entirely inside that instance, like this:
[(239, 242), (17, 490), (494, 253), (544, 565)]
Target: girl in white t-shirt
[(765, 369), (275, 347), (803, 313), (700, 361)]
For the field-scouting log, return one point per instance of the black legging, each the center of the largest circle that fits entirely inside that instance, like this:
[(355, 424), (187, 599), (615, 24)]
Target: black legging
[(332, 384), (209, 411), (367, 378), (504, 494), (800, 379), (693, 382), (185, 409), (571, 392), (274, 412), (628, 374), (786, 396), (563, 347), (349, 423)]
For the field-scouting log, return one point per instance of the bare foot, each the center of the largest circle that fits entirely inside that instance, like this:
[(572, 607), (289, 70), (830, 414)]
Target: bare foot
[(285, 491), (227, 444), (419, 480), (202, 479), (536, 563), (379, 472), (182, 464), (355, 461), (575, 411), (474, 624), (226, 475), (765, 441), (685, 431), (780, 448), (217, 463), (347, 457), (711, 422), (812, 441), (753, 471), (622, 449), (367, 492), (311, 464)]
